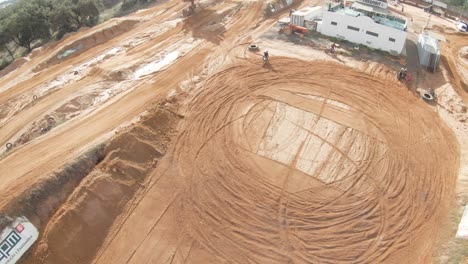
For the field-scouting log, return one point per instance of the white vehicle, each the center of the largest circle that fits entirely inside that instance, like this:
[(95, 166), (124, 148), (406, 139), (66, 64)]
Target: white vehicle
[(462, 26), (16, 239)]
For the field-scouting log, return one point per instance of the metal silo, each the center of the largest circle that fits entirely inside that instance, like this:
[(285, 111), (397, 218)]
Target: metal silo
[(428, 51)]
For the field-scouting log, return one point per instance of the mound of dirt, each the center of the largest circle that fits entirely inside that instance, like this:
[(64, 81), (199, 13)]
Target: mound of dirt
[(13, 66), (65, 112), (88, 41), (79, 227), (36, 52), (40, 201), (118, 75)]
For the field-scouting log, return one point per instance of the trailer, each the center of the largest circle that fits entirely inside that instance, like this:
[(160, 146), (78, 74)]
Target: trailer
[(298, 18)]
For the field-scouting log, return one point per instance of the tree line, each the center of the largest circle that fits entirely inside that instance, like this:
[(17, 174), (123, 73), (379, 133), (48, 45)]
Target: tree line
[(27, 22), (131, 5), (461, 4)]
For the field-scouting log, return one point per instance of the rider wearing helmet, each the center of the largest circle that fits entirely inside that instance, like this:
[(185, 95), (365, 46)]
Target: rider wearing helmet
[(403, 73), (265, 54)]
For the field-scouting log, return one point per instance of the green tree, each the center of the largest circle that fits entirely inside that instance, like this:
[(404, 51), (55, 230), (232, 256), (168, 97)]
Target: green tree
[(110, 3), (128, 4), (29, 22), (5, 39), (5, 36), (61, 21), (457, 2), (71, 15), (133, 4), (85, 13)]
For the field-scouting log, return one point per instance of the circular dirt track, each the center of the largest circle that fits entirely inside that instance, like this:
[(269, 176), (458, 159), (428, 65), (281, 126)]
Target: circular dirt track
[(313, 163)]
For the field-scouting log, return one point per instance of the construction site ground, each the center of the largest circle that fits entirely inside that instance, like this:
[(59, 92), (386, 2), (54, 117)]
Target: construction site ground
[(154, 138)]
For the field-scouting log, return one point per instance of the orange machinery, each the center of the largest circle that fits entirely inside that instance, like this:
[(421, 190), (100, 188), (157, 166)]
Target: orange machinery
[(290, 29)]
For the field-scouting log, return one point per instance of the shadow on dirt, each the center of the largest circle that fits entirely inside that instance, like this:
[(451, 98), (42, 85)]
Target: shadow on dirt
[(206, 24)]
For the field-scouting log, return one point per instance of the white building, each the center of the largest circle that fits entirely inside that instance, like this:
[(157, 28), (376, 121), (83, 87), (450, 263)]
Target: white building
[(366, 22)]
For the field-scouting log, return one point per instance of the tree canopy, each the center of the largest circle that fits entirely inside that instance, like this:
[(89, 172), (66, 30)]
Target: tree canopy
[(462, 4), (26, 22), (128, 5), (70, 15)]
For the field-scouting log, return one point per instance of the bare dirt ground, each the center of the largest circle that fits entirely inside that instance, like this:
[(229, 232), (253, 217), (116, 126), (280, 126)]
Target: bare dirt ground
[(257, 179), (450, 83), (158, 139)]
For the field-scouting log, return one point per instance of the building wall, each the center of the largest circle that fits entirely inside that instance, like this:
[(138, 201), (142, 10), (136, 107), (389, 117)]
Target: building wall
[(427, 58), (364, 24)]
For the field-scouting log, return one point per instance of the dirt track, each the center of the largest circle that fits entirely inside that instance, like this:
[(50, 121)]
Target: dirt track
[(279, 165), (302, 162), (65, 141), (457, 62)]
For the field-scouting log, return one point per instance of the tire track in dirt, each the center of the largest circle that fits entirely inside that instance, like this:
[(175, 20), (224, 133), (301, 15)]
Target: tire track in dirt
[(84, 219), (28, 87), (365, 258), (246, 203), (146, 86)]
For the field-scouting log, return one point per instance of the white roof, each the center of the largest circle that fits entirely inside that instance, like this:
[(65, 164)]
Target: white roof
[(369, 8), (429, 43), (307, 10)]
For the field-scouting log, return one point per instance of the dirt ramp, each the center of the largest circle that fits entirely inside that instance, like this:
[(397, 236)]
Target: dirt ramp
[(15, 65), (39, 202), (88, 41), (76, 231)]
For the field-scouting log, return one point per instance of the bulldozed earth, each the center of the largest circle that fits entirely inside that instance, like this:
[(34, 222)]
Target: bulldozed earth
[(155, 138)]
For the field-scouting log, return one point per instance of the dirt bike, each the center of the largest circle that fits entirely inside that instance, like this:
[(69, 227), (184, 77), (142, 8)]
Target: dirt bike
[(407, 77), (331, 51), (265, 60)]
